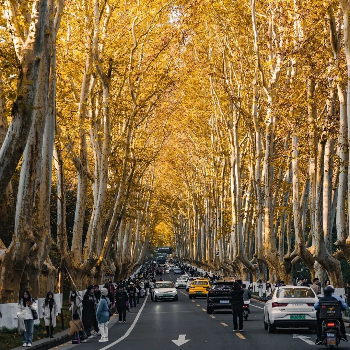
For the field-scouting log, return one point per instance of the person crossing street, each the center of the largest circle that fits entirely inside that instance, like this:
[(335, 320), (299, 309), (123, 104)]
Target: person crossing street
[(237, 307)]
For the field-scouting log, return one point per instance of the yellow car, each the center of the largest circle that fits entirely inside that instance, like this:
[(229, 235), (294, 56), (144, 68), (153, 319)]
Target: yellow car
[(199, 288)]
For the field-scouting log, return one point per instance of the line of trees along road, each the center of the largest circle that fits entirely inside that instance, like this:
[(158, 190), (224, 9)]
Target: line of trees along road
[(225, 123)]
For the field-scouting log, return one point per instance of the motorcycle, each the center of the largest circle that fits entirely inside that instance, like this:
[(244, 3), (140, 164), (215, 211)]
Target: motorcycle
[(330, 313), (331, 333), (246, 311)]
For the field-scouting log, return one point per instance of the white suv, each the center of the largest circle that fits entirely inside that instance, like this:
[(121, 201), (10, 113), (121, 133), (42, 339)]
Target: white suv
[(290, 306)]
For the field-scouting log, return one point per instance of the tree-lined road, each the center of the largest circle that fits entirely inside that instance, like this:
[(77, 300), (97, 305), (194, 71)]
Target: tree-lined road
[(186, 321)]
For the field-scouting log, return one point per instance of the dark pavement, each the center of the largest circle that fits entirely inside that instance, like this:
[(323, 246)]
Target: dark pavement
[(153, 326)]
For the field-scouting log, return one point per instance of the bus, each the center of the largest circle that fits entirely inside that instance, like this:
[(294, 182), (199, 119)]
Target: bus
[(167, 250), (161, 260)]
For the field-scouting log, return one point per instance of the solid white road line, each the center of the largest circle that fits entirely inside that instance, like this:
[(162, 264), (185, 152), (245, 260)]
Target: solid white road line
[(130, 328)]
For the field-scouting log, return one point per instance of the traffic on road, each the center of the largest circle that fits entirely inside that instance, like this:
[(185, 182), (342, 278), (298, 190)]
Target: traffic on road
[(198, 310)]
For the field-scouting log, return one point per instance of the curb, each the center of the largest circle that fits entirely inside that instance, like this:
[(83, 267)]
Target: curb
[(51, 343)]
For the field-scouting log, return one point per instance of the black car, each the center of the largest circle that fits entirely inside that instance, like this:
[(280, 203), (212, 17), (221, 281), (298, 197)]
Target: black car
[(219, 296)]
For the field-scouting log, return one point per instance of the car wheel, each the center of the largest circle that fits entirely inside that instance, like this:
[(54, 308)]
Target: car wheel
[(210, 310), (271, 328), (266, 325)]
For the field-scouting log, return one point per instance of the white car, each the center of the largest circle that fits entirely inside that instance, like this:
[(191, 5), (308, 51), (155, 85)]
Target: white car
[(181, 282), (164, 290), (188, 282), (290, 306)]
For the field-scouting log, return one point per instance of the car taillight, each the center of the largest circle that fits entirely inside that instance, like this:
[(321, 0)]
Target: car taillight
[(245, 306), (331, 324), (279, 304), (310, 304)]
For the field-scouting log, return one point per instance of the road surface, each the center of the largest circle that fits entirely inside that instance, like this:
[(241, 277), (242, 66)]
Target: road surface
[(185, 324)]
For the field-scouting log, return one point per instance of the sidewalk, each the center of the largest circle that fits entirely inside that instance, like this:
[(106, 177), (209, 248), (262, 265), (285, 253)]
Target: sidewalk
[(59, 338), (48, 343)]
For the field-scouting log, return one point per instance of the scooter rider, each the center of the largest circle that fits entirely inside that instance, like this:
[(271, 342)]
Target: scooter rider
[(246, 294), (329, 296)]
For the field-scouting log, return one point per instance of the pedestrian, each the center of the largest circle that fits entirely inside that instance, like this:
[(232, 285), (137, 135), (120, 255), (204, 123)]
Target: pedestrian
[(88, 311), (102, 315), (327, 283), (348, 297), (300, 281), (75, 303), (132, 294), (27, 310), (50, 312), (260, 288), (75, 325), (268, 288), (110, 293), (237, 307), (316, 286), (121, 299), (97, 297)]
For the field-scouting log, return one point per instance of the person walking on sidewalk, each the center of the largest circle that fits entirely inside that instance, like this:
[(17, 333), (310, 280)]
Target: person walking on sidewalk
[(121, 299), (102, 315), (27, 307), (97, 298), (237, 306), (50, 313), (88, 311)]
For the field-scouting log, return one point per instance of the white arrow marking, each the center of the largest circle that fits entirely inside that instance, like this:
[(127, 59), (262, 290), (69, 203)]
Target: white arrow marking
[(304, 338), (182, 340)]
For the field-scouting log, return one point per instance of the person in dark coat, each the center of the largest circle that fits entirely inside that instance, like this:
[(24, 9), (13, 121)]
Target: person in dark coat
[(110, 292), (97, 298), (121, 299), (237, 306), (132, 294), (88, 310)]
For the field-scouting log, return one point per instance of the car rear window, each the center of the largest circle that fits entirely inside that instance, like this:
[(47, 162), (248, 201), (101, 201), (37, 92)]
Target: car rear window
[(164, 285), (295, 293), (222, 286), (200, 283)]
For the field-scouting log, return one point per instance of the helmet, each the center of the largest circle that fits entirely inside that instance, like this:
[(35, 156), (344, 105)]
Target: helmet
[(329, 290)]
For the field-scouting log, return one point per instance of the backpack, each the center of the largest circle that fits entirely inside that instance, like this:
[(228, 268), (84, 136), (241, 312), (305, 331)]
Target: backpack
[(76, 338)]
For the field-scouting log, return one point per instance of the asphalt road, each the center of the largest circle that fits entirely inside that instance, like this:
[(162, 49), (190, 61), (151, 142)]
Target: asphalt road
[(153, 326)]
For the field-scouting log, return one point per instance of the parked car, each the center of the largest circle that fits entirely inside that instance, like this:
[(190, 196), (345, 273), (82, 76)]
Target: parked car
[(290, 306), (177, 271)]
